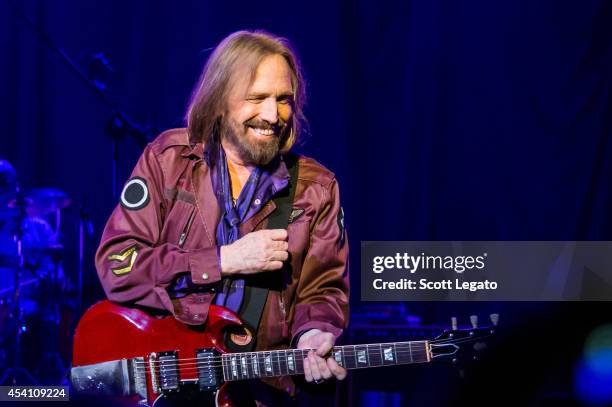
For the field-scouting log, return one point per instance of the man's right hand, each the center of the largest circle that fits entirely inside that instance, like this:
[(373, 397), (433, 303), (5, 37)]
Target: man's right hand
[(263, 250)]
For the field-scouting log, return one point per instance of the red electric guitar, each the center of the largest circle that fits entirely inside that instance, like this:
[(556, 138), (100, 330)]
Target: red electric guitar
[(129, 355)]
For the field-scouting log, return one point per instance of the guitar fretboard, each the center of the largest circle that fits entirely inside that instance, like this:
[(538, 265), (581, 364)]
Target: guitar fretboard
[(251, 365)]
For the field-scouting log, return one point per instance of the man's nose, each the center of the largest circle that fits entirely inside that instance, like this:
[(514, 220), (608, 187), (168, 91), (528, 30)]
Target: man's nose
[(269, 111)]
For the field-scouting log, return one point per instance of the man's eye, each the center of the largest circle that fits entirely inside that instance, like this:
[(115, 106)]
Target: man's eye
[(285, 100)]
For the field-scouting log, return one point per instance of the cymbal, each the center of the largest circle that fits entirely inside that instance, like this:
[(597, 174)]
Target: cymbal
[(42, 201)]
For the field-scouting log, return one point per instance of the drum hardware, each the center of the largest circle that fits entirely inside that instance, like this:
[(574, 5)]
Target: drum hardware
[(30, 306), (17, 373), (85, 228), (120, 125)]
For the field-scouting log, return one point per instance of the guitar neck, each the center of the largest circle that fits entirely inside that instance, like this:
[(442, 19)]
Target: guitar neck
[(252, 365)]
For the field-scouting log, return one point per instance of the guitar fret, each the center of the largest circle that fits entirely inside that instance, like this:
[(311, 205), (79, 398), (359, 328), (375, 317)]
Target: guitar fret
[(277, 358), (262, 364), (405, 355), (234, 367), (410, 348), (255, 365), (275, 363), (224, 365), (402, 355), (361, 356), (395, 352), (299, 360), (285, 362), (389, 353), (374, 355), (338, 356), (268, 366), (350, 357), (244, 366), (290, 362)]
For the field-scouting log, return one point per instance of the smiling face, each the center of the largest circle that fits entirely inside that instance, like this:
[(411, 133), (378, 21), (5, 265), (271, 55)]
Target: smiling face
[(256, 121)]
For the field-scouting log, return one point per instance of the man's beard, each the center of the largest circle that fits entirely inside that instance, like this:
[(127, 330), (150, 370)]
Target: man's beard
[(250, 150)]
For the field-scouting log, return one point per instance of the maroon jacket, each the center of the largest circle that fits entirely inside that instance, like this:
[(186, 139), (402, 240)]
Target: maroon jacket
[(142, 250)]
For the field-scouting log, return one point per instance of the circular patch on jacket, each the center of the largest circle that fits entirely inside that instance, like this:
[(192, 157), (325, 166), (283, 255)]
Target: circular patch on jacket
[(135, 194)]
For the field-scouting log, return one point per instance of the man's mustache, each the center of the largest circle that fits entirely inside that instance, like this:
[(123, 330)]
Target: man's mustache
[(262, 124)]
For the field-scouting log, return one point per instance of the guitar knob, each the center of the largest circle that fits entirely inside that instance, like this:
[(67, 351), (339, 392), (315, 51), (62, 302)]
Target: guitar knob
[(494, 319), (454, 323), (474, 321)]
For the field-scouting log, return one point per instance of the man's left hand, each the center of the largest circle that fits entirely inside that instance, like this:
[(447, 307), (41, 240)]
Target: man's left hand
[(316, 367)]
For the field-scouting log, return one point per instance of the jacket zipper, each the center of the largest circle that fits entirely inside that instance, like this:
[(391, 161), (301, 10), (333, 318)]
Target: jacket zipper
[(282, 305), (186, 228), (283, 321)]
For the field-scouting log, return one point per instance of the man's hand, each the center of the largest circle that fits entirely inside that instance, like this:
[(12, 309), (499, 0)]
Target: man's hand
[(263, 250), (316, 367)]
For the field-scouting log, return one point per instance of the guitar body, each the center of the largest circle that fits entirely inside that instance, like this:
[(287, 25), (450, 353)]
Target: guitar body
[(109, 332)]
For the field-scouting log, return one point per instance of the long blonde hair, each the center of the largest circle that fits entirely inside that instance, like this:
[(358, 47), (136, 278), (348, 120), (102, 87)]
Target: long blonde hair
[(241, 52)]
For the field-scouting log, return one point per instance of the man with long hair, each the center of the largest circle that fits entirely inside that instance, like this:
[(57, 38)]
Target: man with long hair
[(193, 217)]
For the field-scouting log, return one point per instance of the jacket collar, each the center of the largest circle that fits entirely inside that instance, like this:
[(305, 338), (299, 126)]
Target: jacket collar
[(195, 150)]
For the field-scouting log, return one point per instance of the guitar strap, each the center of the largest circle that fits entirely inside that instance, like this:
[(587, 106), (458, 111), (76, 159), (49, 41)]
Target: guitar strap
[(258, 285)]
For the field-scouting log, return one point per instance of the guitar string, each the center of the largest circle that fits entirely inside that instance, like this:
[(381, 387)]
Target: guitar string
[(299, 369), (346, 348), (201, 361), (205, 363), (215, 364), (142, 370), (278, 355), (171, 366)]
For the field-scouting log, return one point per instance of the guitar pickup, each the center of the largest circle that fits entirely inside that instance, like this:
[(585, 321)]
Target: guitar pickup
[(209, 371), (168, 370)]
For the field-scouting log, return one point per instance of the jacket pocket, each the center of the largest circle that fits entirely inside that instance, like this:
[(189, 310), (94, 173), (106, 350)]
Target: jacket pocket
[(186, 228)]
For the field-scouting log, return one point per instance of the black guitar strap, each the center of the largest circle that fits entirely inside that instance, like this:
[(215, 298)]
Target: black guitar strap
[(258, 285)]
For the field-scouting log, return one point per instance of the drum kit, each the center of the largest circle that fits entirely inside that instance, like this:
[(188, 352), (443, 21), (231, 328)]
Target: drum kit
[(34, 291)]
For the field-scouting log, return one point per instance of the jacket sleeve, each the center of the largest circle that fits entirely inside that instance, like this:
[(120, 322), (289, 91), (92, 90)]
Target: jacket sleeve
[(134, 266), (323, 288)]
